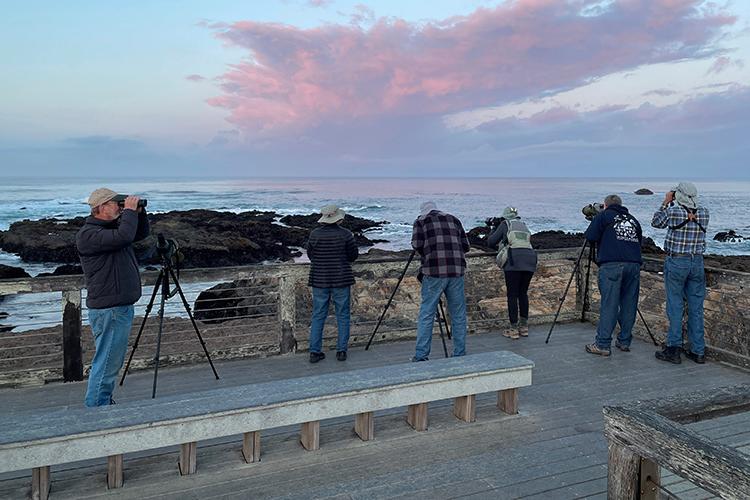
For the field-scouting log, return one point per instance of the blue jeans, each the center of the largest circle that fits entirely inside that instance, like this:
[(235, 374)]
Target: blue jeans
[(111, 328), (684, 278), (619, 285), (321, 299), (432, 289)]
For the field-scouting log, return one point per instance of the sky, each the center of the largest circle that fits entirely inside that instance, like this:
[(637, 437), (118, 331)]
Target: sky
[(332, 88)]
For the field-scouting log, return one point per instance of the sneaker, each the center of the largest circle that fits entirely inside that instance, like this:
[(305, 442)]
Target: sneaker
[(112, 400), (317, 356), (511, 333), (341, 355), (698, 358), (523, 330), (623, 348), (417, 360), (670, 354), (594, 349)]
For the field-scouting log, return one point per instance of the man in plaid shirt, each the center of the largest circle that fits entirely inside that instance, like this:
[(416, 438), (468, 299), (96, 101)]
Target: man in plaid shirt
[(684, 276), (440, 240)]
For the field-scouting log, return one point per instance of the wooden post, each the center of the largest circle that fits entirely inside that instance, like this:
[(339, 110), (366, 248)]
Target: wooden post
[(310, 436), (622, 472), (507, 401), (251, 446), (649, 479), (71, 336), (114, 472), (417, 416), (465, 408), (287, 314), (40, 483), (364, 425), (188, 458)]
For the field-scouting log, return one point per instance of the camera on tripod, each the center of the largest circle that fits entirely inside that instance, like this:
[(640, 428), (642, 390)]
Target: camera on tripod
[(169, 250), (592, 210)]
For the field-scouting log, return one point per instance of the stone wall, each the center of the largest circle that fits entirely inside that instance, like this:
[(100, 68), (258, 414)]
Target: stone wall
[(726, 311)]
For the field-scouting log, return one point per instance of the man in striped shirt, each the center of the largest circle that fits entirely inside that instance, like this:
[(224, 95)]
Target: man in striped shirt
[(684, 277), (331, 249), (441, 242)]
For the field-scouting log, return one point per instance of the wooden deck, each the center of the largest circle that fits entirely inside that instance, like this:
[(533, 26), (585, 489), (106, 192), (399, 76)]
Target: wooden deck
[(554, 448)]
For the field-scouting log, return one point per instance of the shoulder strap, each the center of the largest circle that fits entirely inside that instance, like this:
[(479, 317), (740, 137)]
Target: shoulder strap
[(685, 222)]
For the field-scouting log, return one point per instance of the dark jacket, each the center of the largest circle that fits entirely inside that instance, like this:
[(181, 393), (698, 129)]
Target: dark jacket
[(331, 249), (108, 261), (618, 236), (519, 259)]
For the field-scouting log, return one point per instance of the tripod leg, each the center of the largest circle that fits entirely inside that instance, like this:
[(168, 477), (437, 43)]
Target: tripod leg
[(565, 293), (390, 299), (192, 320), (143, 323), (440, 320), (586, 288), (445, 318), (164, 292), (647, 328)]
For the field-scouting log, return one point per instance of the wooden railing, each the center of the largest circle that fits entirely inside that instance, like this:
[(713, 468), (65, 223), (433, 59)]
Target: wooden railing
[(644, 436)]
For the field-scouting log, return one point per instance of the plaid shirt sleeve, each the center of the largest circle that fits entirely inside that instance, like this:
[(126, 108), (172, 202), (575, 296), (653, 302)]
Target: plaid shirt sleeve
[(417, 237), (660, 219)]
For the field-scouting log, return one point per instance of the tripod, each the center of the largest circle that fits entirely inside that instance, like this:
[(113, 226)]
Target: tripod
[(440, 313), (162, 282), (592, 250)]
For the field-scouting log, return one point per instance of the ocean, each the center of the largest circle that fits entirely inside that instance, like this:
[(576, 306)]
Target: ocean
[(545, 204)]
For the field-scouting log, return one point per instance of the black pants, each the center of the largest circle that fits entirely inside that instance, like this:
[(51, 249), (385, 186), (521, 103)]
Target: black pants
[(517, 284)]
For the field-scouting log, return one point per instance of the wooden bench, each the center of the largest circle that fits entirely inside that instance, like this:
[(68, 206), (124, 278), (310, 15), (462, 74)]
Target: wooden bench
[(37, 441)]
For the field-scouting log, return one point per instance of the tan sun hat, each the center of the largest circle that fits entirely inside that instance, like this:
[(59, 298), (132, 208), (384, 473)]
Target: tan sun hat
[(331, 214), (101, 196)]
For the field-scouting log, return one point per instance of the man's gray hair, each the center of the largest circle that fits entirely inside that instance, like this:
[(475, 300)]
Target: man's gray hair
[(612, 199)]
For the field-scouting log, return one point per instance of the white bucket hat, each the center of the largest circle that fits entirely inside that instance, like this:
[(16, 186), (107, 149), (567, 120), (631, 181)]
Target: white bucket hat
[(331, 214), (510, 213), (686, 194), (427, 207)]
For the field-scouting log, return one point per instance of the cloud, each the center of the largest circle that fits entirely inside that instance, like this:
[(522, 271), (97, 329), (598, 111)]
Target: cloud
[(195, 78), (318, 3), (722, 63), (660, 92), (298, 79)]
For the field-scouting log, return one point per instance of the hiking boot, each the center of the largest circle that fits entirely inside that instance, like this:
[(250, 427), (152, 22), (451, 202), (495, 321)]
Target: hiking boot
[(523, 330), (670, 354), (417, 360), (595, 349), (698, 358), (511, 333), (316, 356), (341, 355), (622, 347)]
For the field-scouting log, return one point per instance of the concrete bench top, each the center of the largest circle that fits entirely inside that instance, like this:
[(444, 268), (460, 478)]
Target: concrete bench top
[(17, 428)]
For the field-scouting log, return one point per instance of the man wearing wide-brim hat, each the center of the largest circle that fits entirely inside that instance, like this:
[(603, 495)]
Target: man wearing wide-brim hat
[(113, 283), (331, 249), (684, 275)]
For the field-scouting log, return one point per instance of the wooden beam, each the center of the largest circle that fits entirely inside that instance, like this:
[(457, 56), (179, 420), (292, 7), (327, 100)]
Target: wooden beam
[(310, 436), (417, 416), (71, 336), (188, 458), (622, 472), (114, 472), (702, 405), (649, 478), (507, 401), (40, 482), (251, 446), (465, 408), (364, 425)]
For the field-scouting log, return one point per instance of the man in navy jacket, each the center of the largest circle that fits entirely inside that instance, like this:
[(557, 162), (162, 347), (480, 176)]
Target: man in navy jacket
[(617, 236)]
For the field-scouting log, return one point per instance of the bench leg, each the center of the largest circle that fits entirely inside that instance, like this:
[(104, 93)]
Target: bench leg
[(251, 446), (188, 458), (507, 401), (40, 483), (310, 436), (465, 408), (417, 416), (364, 425), (114, 472)]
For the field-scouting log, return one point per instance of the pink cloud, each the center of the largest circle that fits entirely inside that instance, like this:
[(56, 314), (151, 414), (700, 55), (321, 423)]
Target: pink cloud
[(301, 78), (722, 63)]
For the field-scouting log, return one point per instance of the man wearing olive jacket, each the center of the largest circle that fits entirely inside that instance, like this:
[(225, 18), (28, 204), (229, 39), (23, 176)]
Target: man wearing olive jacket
[(113, 283)]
